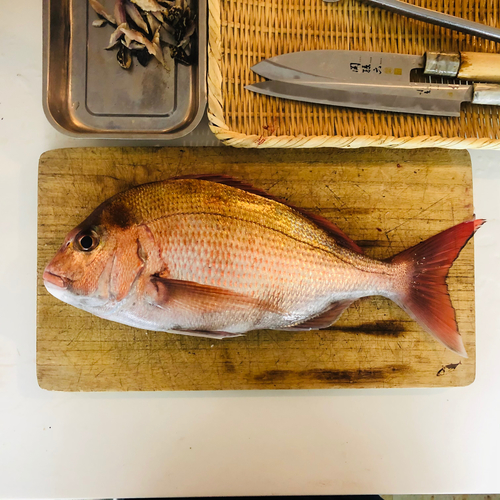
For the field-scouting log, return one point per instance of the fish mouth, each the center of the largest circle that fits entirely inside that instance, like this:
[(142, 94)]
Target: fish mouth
[(55, 280)]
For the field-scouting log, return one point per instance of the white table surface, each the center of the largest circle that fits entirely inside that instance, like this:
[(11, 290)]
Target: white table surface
[(225, 443)]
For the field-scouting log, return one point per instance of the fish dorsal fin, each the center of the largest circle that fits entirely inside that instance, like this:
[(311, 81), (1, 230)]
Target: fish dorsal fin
[(324, 319), (340, 237)]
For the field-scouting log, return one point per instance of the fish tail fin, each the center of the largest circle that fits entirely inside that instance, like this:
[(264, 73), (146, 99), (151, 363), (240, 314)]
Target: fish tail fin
[(423, 292)]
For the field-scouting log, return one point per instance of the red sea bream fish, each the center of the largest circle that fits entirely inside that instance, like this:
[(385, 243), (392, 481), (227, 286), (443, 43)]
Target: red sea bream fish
[(213, 257)]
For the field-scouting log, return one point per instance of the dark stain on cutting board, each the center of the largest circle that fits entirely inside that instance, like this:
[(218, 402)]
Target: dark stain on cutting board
[(389, 328), (343, 376)]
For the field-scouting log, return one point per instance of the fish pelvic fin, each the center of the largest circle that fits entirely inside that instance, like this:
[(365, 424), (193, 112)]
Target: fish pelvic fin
[(208, 335), (423, 293)]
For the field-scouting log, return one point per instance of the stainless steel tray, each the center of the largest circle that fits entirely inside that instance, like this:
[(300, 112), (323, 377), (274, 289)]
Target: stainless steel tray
[(87, 94)]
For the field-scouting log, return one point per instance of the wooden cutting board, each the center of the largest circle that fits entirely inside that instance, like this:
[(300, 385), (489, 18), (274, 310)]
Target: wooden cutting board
[(385, 200)]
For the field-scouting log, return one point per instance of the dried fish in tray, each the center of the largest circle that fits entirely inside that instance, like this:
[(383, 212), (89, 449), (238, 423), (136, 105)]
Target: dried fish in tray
[(141, 21)]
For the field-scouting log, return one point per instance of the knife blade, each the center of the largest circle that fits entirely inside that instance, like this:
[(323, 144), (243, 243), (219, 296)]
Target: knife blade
[(420, 99), (341, 66), (380, 67)]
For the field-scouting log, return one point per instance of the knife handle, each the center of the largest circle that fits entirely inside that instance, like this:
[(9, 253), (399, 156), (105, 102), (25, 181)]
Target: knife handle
[(478, 66), (486, 94)]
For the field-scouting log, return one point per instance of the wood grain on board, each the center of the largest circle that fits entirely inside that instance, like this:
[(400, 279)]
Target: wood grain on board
[(385, 200)]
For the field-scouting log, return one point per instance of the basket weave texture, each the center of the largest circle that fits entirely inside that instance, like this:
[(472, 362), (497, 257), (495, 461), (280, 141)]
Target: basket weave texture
[(244, 32)]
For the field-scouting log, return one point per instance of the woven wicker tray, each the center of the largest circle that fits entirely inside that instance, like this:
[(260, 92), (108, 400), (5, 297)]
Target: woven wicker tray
[(243, 32)]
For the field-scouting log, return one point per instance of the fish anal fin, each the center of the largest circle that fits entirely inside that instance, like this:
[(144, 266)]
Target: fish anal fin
[(324, 319), (332, 229), (189, 296)]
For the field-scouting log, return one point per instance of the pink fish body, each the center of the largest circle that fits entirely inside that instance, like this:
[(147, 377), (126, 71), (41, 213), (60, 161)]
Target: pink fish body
[(213, 257)]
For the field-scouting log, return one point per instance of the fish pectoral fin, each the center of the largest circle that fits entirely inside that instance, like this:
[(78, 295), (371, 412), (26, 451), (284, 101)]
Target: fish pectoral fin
[(195, 297), (325, 318), (207, 334)]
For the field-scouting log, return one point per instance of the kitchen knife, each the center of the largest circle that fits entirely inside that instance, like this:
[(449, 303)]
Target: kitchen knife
[(381, 67), (425, 99), (369, 80)]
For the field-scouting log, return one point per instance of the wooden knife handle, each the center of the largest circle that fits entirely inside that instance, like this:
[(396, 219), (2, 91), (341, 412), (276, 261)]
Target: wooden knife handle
[(476, 66), (479, 66)]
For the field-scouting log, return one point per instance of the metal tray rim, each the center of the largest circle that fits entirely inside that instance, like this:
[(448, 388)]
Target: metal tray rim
[(201, 95)]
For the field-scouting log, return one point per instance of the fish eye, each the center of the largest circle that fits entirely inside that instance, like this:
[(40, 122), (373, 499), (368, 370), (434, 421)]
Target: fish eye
[(86, 241)]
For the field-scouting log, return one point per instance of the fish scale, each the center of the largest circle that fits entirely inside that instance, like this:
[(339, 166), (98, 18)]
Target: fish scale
[(309, 271), (150, 203)]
